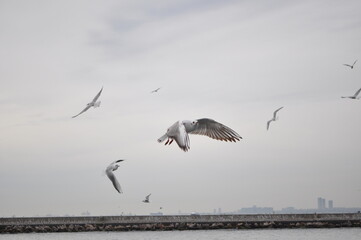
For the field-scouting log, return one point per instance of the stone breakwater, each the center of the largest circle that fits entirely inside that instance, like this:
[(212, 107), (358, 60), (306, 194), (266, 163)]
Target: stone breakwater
[(177, 222)]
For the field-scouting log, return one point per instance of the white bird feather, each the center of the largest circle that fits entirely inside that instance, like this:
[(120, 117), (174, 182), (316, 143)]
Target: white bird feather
[(208, 127), (93, 103), (109, 171)]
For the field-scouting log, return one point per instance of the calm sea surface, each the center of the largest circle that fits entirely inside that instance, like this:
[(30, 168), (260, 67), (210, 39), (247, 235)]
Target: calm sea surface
[(271, 234)]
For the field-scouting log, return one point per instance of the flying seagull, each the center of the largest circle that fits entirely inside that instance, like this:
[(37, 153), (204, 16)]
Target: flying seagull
[(204, 126), (93, 103), (274, 117), (146, 200), (351, 66), (109, 171), (354, 96), (154, 91)]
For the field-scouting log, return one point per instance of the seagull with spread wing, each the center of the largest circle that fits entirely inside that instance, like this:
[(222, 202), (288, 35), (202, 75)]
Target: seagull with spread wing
[(354, 96), (156, 90), (146, 200), (274, 117), (204, 126), (350, 66), (93, 103), (109, 171)]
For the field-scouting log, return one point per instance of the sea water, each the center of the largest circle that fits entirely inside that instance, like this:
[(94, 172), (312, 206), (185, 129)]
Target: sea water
[(269, 234)]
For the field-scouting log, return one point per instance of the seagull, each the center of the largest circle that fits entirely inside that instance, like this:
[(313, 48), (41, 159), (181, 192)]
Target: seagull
[(351, 66), (146, 200), (93, 103), (109, 171), (354, 96), (154, 91), (204, 126), (274, 117)]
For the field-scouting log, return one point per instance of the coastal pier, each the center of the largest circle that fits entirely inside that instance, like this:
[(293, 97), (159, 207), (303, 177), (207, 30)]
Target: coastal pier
[(177, 222)]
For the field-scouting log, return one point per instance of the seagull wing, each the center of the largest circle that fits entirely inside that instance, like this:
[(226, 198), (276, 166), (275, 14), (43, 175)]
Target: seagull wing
[(209, 127), (348, 65), (275, 112), (97, 96), (354, 63), (268, 123), (120, 160), (112, 178), (358, 91), (147, 197), (84, 110)]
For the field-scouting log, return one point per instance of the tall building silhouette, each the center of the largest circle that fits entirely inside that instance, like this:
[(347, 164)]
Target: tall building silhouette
[(330, 204), (321, 203)]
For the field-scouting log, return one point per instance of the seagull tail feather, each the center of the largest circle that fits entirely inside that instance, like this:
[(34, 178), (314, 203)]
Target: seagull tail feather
[(162, 138)]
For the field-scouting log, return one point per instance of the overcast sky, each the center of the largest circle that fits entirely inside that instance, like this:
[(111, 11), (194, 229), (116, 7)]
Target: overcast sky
[(232, 61)]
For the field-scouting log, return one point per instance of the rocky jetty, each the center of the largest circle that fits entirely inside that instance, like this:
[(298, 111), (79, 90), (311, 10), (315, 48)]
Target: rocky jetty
[(170, 223)]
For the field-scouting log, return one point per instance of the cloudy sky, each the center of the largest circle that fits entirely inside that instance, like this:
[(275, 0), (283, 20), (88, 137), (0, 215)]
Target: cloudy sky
[(232, 61)]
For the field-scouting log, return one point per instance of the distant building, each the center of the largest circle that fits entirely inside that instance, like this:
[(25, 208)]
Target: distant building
[(321, 203), (87, 213), (256, 210), (330, 204), (288, 210)]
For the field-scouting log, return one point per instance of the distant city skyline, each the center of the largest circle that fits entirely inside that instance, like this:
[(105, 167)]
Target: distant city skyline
[(250, 210)]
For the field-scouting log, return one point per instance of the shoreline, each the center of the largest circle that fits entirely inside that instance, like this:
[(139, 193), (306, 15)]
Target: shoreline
[(177, 222)]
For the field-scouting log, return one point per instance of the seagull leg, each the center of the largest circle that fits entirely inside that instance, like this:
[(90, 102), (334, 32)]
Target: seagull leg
[(171, 141), (166, 142)]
